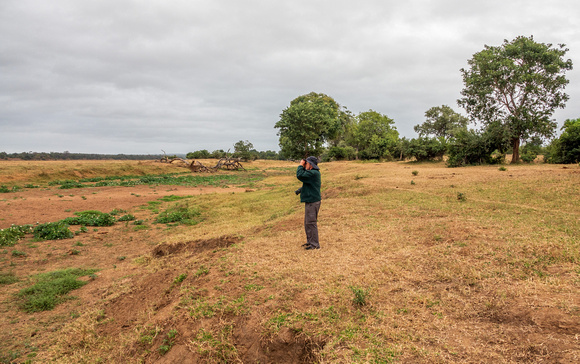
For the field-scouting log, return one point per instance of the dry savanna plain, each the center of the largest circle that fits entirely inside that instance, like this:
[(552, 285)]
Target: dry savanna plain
[(420, 263)]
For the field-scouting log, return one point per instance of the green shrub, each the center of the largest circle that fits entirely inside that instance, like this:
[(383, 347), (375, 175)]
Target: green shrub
[(65, 185), (116, 212), (127, 217), (566, 148), (91, 218), (11, 235), (468, 148), (528, 156), (424, 149), (4, 189), (53, 231)]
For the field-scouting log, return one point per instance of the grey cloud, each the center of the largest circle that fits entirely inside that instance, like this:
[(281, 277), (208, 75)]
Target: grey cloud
[(136, 77)]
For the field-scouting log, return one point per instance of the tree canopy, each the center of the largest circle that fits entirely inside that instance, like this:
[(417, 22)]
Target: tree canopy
[(307, 124), (518, 86), (373, 135), (442, 121)]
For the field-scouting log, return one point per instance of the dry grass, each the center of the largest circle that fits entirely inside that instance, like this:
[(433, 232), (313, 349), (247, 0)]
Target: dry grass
[(492, 276)]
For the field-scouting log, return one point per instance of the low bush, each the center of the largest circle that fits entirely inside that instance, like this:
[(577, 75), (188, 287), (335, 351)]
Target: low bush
[(53, 231), (127, 217), (11, 235), (91, 218)]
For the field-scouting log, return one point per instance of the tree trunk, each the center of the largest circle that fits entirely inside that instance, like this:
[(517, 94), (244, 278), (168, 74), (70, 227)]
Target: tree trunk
[(516, 150)]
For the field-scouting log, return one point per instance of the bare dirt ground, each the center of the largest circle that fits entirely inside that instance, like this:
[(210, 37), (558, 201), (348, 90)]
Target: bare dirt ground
[(47, 205)]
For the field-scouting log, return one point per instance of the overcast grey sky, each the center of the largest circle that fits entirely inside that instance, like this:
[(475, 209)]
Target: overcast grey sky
[(139, 76)]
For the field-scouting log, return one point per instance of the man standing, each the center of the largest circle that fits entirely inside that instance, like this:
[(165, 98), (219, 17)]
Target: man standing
[(309, 174)]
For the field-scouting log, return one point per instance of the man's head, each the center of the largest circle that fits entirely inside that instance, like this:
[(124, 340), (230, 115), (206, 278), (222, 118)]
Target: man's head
[(312, 162)]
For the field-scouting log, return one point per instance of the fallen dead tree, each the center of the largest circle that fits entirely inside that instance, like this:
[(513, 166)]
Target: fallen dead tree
[(227, 163)]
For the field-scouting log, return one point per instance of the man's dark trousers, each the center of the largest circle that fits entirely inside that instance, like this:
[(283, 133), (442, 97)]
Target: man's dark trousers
[(310, 223)]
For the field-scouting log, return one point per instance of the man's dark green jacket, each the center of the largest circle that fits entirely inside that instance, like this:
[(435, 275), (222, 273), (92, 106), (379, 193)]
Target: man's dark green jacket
[(311, 182)]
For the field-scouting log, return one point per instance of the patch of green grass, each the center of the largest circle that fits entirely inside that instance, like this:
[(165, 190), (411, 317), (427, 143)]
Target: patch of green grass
[(173, 198), (201, 271), (180, 278), (180, 213), (51, 288), (18, 253), (168, 342), (148, 336), (8, 278), (217, 346), (253, 287)]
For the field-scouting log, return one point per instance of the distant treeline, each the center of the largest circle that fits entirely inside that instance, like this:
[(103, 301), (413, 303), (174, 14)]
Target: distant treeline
[(42, 156)]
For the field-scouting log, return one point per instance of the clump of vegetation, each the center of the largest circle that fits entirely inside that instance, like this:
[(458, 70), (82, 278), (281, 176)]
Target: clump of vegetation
[(116, 212), (51, 288), (202, 271), (11, 235), (91, 218), (8, 278), (127, 217), (5, 189), (180, 278), (360, 296), (168, 342), (415, 173), (461, 197), (68, 184), (18, 253), (53, 231), (184, 214)]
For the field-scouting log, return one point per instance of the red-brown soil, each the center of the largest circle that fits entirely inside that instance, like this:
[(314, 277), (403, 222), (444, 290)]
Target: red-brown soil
[(33, 206)]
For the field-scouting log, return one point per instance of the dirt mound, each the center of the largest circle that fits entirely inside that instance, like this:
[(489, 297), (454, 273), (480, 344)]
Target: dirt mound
[(287, 347), (196, 246)]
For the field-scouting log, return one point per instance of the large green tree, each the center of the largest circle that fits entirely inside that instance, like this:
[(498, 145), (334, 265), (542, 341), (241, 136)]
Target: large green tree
[(307, 124), (243, 150), (373, 135), (442, 121), (517, 85)]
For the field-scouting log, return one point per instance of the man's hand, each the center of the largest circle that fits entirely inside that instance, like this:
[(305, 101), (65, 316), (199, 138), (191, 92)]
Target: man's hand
[(303, 163)]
